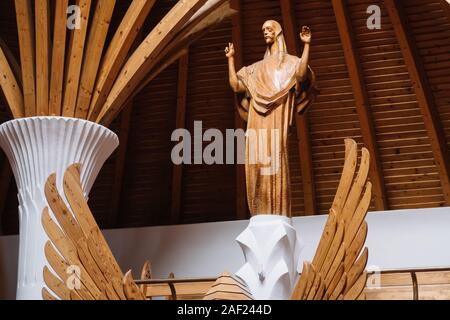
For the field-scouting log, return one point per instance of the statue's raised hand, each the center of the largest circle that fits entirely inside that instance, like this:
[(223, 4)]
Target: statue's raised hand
[(229, 50), (305, 35)]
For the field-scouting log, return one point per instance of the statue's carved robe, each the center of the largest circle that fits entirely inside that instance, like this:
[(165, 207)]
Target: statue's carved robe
[(271, 102)]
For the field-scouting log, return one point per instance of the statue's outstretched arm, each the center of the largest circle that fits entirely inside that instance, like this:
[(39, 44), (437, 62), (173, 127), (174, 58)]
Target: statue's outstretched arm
[(235, 83), (302, 69)]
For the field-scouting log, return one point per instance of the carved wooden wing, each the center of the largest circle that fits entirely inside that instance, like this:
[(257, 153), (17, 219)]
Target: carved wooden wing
[(308, 94), (338, 268), (82, 264)]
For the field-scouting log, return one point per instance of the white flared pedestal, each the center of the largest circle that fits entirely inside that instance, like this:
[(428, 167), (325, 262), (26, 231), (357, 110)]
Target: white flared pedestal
[(271, 249), (36, 148)]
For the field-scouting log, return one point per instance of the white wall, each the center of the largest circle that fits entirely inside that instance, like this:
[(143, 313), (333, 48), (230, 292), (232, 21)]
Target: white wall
[(9, 249), (397, 240)]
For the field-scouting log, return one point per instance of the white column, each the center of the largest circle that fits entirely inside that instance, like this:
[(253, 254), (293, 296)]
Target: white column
[(271, 249), (36, 148)]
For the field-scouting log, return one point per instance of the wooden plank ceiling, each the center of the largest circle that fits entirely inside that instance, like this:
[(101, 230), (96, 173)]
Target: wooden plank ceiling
[(388, 88)]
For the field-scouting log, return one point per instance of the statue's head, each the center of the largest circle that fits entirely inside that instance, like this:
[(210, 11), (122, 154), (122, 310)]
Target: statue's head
[(273, 35), (271, 30)]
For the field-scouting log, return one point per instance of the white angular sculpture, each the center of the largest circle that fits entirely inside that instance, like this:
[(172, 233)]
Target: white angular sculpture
[(37, 147), (271, 249)]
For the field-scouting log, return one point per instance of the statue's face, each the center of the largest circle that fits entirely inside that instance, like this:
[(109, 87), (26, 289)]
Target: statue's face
[(269, 33)]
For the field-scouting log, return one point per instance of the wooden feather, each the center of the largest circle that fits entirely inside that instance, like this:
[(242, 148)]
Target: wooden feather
[(339, 288), (146, 274), (326, 240), (357, 269), (56, 285), (46, 295), (77, 241), (347, 175), (132, 291), (337, 271), (356, 290), (315, 286), (355, 247), (335, 281), (299, 290)]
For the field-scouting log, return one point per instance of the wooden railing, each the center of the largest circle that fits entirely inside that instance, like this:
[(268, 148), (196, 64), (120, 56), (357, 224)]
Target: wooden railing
[(177, 289), (411, 284)]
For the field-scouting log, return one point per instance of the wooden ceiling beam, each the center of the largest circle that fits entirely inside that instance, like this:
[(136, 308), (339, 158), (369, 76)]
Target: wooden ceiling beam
[(25, 30), (42, 23), (301, 121), (361, 100), (177, 170), (14, 64), (423, 93), (117, 52), (201, 25), (121, 155), (94, 50), (145, 57), (75, 60), (236, 30), (58, 57), (10, 87)]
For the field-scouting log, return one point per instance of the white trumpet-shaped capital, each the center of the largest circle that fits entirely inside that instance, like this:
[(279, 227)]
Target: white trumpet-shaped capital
[(271, 249), (36, 148)]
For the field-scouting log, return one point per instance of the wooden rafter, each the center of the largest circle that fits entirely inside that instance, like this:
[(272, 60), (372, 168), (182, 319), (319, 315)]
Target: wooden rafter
[(14, 64), (179, 46), (423, 93), (121, 155), (177, 171), (94, 50), (10, 87), (144, 58), (75, 60), (58, 57), (84, 82), (117, 52), (361, 100), (304, 144), (168, 61), (119, 169), (25, 28), (241, 198), (42, 23)]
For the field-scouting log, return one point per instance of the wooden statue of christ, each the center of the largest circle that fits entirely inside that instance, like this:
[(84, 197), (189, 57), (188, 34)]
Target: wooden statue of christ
[(274, 89)]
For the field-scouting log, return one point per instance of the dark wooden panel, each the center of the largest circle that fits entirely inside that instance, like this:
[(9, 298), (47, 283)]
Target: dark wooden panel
[(147, 180), (396, 127), (335, 105), (209, 191)]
